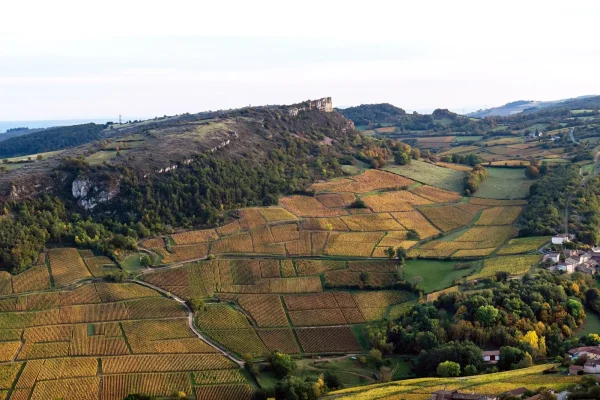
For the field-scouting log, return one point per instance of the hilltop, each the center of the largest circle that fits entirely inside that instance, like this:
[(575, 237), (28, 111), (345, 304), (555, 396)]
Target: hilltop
[(516, 107)]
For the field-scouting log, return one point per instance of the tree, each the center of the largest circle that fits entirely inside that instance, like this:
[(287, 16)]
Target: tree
[(390, 252), (527, 361), (332, 380), (531, 338), (532, 172), (401, 254), (487, 315), (197, 304), (358, 203), (364, 277), (509, 357), (470, 370), (402, 158), (145, 260), (39, 157), (282, 364), (415, 154), (375, 356), (448, 368)]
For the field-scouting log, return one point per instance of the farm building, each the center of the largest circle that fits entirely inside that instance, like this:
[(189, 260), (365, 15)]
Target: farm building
[(553, 258), (591, 352), (491, 356), (561, 239)]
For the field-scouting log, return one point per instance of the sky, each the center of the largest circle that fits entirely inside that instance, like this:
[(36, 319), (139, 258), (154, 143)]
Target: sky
[(67, 59)]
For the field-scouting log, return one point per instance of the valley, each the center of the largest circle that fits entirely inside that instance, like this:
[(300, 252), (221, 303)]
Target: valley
[(177, 257)]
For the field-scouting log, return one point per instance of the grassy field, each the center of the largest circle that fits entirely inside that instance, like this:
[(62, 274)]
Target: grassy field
[(430, 174), (591, 324), (467, 138), (437, 274), (505, 183)]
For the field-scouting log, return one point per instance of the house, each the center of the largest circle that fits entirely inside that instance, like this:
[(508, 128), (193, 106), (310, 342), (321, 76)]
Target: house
[(574, 369), (456, 395), (552, 258), (491, 356), (561, 239), (591, 367), (577, 259), (588, 267), (564, 267), (595, 251), (591, 352)]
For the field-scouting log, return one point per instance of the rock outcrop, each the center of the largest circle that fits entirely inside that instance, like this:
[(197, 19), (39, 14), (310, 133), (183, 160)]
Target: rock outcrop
[(89, 193)]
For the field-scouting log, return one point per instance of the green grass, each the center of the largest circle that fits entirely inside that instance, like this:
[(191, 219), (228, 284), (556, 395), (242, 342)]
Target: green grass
[(575, 112), (431, 174), (591, 324), (437, 274), (467, 138), (132, 263), (101, 156), (505, 183)]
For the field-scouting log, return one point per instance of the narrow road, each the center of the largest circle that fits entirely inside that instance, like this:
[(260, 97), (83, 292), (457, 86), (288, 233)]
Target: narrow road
[(572, 136), (227, 354)]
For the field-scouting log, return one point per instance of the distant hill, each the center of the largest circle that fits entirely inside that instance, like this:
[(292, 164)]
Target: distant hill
[(373, 113), (519, 106)]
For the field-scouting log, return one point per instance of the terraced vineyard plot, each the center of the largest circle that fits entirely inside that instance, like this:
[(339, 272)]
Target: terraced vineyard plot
[(352, 244), (117, 387), (300, 247), (307, 284), (402, 200), (276, 214), (344, 299), (318, 242), (373, 266), (345, 278), (165, 363), (316, 267), (490, 236), (284, 233), (415, 220), (68, 368), (287, 268), (99, 266), (67, 266), (310, 301), (251, 218), (372, 222), (224, 392), (221, 316), (76, 389), (124, 291), (279, 339), (336, 200), (240, 341), (353, 315), (153, 243), (53, 333), (43, 350), (29, 374), (368, 181), (437, 195), (184, 253), (431, 174), (266, 310), (332, 316), (157, 307), (238, 243), (193, 237), (305, 206), (447, 218), (323, 224), (8, 350), (218, 377), (373, 305), (499, 216), (474, 252), (514, 265), (327, 340), (35, 278), (230, 228), (5, 283), (435, 295), (163, 336), (523, 245)]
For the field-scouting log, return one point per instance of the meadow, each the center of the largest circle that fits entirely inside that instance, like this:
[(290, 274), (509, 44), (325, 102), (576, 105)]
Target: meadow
[(505, 183), (430, 174)]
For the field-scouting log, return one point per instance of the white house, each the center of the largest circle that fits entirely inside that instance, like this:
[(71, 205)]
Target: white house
[(553, 258), (561, 239), (491, 356), (591, 352), (592, 367), (569, 268)]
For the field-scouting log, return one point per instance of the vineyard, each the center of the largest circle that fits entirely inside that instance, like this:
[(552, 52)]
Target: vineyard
[(514, 265)]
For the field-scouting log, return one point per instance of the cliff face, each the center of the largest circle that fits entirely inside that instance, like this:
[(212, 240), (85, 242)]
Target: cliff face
[(90, 192)]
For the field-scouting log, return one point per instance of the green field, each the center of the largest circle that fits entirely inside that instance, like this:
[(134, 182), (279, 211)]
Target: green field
[(437, 274), (591, 324), (505, 183), (467, 138), (431, 174)]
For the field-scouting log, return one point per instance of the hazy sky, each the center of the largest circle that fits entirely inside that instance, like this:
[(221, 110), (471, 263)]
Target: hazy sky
[(75, 59)]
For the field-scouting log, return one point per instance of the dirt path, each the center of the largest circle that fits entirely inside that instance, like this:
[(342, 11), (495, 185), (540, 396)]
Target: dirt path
[(227, 354)]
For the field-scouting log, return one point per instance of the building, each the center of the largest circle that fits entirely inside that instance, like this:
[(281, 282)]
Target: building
[(574, 369), (552, 258), (518, 392), (456, 395), (591, 367), (591, 352), (577, 260), (561, 239), (491, 356)]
